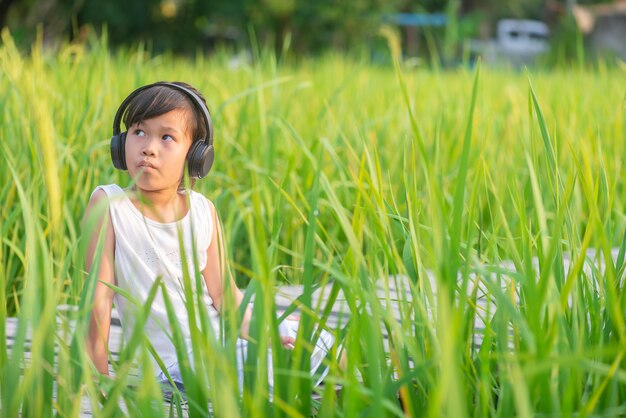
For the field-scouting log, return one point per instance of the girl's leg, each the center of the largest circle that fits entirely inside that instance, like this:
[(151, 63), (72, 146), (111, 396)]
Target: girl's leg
[(323, 345)]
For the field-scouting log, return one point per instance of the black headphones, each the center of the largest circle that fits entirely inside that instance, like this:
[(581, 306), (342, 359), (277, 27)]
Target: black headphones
[(200, 155)]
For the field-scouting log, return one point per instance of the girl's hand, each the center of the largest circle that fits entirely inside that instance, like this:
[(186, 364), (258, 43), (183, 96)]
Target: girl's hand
[(288, 330), (288, 342)]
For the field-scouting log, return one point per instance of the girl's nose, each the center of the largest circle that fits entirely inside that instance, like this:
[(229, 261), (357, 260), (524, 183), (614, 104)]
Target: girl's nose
[(148, 148)]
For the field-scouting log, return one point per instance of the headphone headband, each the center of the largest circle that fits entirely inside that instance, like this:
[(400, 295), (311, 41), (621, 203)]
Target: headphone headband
[(197, 102)]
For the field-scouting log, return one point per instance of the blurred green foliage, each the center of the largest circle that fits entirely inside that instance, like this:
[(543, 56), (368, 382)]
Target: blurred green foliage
[(299, 26)]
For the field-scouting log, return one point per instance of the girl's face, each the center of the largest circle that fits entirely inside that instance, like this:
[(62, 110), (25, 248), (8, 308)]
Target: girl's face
[(156, 150)]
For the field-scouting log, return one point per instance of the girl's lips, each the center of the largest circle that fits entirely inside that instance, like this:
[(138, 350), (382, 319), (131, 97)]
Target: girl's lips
[(146, 165)]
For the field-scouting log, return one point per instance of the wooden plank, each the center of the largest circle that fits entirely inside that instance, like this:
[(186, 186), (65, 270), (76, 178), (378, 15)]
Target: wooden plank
[(393, 293)]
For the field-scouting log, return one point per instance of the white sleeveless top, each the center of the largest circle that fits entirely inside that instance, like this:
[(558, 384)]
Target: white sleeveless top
[(146, 249)]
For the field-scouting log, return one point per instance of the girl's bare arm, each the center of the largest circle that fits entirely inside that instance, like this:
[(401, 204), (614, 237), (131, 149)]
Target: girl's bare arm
[(95, 219), (217, 277)]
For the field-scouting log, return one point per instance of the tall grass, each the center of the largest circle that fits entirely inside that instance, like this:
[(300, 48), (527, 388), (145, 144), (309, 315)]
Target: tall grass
[(336, 173)]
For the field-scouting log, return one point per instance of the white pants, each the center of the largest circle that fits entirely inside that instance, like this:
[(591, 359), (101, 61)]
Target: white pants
[(287, 328)]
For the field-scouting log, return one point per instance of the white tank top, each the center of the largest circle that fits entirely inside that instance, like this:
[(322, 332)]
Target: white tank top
[(146, 249)]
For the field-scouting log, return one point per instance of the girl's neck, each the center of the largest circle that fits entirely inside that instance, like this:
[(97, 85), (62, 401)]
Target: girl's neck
[(161, 206)]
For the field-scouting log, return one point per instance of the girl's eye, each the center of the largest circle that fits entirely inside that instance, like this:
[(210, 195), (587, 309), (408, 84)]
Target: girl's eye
[(139, 132), (168, 138)]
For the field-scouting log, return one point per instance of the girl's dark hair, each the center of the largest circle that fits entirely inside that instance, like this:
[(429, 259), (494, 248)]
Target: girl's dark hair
[(159, 100)]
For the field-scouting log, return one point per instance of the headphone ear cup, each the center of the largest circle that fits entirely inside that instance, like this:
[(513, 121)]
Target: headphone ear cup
[(118, 151), (200, 159)]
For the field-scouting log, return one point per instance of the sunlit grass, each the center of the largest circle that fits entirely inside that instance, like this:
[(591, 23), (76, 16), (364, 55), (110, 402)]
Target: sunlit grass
[(337, 173)]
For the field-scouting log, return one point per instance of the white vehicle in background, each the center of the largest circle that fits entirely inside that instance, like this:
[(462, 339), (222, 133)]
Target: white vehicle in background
[(518, 42)]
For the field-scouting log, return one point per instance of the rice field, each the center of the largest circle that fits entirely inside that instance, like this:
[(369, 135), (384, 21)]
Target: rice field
[(464, 185)]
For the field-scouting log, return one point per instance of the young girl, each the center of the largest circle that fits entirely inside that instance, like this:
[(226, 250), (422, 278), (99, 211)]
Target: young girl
[(169, 130)]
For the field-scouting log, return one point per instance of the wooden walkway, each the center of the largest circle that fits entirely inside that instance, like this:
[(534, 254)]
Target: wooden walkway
[(392, 293)]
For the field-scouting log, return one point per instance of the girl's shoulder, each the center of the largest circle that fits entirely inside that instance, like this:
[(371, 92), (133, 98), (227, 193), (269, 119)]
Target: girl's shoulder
[(97, 207), (203, 215), (103, 193), (201, 200), (109, 190), (109, 195)]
